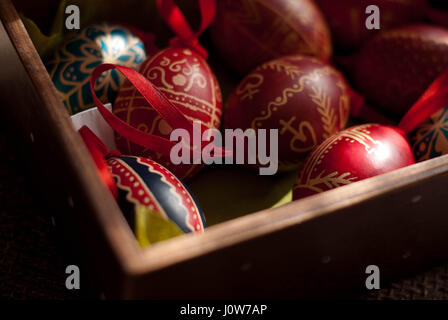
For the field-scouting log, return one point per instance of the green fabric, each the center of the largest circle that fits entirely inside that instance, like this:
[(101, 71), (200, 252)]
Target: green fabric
[(227, 192), (223, 193), (46, 44), (150, 227), (89, 11)]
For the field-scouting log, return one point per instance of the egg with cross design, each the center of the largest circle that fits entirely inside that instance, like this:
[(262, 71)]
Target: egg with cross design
[(304, 99)]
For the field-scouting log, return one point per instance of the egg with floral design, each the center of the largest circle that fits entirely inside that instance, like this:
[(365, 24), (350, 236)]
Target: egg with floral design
[(430, 139), (141, 181), (187, 81), (71, 65)]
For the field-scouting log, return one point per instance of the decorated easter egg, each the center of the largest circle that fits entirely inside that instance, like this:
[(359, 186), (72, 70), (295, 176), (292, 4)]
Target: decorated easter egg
[(347, 18), (74, 61), (141, 181), (305, 100), (250, 32), (394, 69), (186, 80), (430, 139), (352, 155)]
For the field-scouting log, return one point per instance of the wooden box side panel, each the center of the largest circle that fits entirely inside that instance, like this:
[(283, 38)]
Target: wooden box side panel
[(401, 230), (67, 176)]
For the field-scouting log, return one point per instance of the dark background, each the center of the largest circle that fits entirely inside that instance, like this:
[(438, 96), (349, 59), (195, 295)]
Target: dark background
[(34, 256)]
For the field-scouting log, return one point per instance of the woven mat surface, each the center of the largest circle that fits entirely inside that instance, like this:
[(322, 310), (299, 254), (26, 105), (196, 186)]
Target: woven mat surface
[(32, 265), (32, 262)]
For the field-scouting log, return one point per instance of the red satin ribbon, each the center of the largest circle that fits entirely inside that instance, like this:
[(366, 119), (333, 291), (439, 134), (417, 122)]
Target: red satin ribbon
[(161, 105), (185, 37), (434, 99), (151, 94), (99, 152)]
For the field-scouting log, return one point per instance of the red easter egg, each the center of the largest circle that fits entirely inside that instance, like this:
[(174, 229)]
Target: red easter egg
[(185, 78), (394, 69), (352, 155), (248, 33), (306, 100), (347, 18)]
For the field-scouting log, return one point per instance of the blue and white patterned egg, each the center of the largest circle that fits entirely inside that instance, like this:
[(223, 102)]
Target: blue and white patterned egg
[(74, 61), (430, 139)]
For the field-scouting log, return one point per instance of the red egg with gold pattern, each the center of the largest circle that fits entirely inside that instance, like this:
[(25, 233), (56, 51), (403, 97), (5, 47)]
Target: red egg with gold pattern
[(185, 78), (394, 69), (304, 99), (247, 33), (347, 18), (352, 155)]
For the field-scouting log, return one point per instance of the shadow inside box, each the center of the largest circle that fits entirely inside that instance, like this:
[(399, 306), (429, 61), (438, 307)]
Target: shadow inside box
[(226, 192)]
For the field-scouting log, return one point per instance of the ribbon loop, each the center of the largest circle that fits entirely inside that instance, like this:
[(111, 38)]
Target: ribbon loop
[(161, 105), (432, 100), (155, 99), (185, 37)]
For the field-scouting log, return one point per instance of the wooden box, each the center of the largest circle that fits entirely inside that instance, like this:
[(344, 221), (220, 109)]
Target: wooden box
[(316, 247)]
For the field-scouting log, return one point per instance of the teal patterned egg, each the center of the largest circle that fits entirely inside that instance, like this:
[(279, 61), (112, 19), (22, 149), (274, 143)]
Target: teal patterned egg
[(430, 139), (74, 61)]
